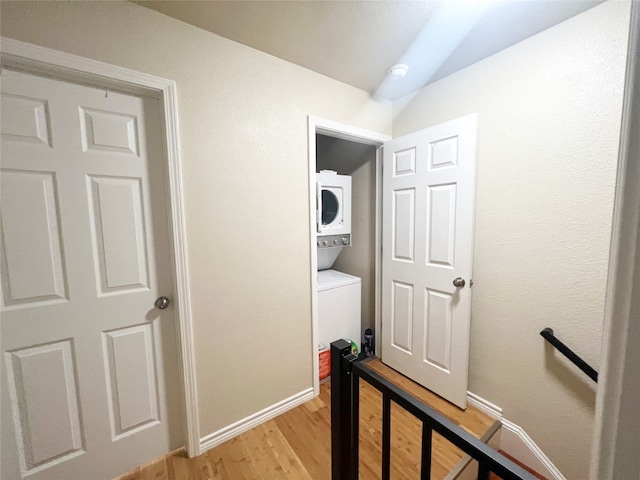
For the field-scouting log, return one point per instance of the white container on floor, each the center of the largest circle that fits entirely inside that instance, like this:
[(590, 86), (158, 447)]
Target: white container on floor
[(338, 307)]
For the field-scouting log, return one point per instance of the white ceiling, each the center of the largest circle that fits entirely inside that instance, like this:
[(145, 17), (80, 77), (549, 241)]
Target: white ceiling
[(356, 42)]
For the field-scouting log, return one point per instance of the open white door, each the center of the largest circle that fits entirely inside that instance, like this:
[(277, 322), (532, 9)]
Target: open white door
[(427, 244), (89, 378)]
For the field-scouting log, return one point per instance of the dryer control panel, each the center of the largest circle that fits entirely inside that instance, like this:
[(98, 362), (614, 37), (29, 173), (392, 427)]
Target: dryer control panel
[(332, 241)]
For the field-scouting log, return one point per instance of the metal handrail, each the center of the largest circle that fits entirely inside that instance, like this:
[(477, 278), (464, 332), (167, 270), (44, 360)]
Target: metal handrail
[(549, 336), (346, 370)]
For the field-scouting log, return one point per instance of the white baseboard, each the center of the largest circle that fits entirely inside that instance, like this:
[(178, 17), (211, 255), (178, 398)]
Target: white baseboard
[(485, 406), (515, 441), (235, 429), (518, 444)]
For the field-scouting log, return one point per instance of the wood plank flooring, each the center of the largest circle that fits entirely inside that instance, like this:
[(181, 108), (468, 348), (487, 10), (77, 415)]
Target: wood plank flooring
[(297, 444)]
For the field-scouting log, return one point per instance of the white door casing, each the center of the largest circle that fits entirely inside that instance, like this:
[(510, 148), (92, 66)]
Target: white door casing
[(331, 128), (89, 364), (427, 242)]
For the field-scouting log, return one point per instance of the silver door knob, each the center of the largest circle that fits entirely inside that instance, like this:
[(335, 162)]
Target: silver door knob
[(162, 303), (459, 282)]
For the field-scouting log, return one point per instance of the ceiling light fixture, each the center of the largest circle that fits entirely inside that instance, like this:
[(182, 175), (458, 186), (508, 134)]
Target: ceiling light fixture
[(398, 71)]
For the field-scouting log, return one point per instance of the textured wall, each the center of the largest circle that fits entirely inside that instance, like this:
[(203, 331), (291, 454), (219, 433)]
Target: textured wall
[(243, 119), (549, 122), (549, 112)]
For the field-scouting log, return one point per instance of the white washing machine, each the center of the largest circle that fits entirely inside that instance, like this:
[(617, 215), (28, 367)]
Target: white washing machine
[(338, 307), (333, 216)]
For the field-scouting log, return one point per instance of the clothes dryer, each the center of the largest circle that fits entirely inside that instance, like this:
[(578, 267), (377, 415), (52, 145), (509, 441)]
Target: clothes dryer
[(333, 216)]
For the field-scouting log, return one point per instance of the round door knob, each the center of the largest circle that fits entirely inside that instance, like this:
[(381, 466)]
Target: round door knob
[(459, 282), (162, 303)]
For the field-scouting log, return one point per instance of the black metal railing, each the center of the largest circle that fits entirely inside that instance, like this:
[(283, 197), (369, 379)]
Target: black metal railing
[(549, 336), (346, 370)]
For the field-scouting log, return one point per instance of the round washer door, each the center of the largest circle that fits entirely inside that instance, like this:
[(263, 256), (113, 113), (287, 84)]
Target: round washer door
[(330, 207)]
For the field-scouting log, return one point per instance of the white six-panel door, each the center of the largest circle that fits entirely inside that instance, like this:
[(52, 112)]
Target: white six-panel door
[(428, 211), (89, 377)]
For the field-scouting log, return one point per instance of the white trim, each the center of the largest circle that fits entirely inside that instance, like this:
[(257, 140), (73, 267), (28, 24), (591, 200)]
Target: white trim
[(516, 442), (313, 260), (346, 132), (241, 426), (377, 325), (519, 445), (40, 60), (617, 425), (180, 264), (485, 406)]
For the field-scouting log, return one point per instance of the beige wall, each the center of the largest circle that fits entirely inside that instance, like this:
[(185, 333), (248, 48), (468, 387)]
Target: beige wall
[(243, 120), (549, 122), (549, 112), (359, 161)]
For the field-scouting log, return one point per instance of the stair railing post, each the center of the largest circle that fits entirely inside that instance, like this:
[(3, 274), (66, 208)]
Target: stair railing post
[(341, 413)]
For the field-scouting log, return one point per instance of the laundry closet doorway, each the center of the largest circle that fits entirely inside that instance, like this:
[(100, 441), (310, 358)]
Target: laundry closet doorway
[(412, 220), (354, 152)]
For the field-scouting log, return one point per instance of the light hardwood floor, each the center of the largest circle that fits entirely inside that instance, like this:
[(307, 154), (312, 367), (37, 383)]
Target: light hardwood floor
[(297, 444)]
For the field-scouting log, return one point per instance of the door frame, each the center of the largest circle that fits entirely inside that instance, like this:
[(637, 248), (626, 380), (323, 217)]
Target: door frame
[(353, 134), (38, 60), (617, 428)]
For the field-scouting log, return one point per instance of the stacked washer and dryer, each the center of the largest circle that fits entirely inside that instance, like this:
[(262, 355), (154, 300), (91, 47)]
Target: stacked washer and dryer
[(338, 293)]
